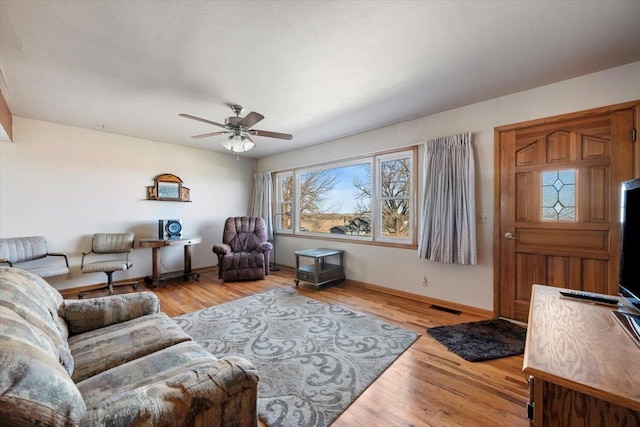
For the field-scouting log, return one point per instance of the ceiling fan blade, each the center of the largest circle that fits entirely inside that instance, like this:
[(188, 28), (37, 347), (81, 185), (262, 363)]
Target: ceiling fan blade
[(251, 119), (189, 116), (207, 135), (269, 134)]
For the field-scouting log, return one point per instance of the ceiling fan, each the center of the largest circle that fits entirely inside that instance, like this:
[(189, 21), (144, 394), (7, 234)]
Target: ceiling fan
[(240, 130)]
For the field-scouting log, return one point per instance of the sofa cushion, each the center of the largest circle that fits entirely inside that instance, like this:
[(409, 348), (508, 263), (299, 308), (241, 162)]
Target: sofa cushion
[(243, 266), (163, 387), (84, 315), (34, 388), (213, 393), (33, 299), (143, 371), (101, 349)]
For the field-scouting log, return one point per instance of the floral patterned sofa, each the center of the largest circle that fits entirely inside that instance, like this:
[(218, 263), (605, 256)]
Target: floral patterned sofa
[(111, 361)]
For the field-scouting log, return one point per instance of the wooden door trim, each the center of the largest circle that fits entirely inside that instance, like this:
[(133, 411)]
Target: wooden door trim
[(570, 116), (498, 133)]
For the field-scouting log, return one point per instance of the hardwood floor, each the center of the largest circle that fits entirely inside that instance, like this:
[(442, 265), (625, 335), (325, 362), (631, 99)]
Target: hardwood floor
[(426, 386)]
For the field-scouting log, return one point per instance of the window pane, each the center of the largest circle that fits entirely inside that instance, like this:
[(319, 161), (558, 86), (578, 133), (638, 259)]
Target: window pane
[(395, 178), (394, 181), (336, 200), (395, 218), (559, 195), (285, 188), (283, 217)]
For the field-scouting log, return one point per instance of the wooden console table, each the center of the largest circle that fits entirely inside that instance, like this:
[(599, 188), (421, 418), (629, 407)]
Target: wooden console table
[(155, 244), (320, 272), (583, 367)]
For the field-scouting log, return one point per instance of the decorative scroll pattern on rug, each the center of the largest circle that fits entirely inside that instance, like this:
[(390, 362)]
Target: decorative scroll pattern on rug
[(484, 340), (314, 359)]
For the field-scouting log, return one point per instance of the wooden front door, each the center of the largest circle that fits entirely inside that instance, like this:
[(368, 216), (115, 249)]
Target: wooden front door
[(558, 204)]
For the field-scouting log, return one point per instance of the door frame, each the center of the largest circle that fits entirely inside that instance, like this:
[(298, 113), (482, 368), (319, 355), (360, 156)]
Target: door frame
[(497, 190)]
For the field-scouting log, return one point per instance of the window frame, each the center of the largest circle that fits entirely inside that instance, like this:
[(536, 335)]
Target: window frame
[(280, 202), (375, 161), (380, 198)]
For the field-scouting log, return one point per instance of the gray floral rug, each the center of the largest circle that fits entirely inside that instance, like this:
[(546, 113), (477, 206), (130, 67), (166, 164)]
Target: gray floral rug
[(484, 340), (314, 359)]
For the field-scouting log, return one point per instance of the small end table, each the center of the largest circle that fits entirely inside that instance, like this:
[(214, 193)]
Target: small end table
[(321, 272)]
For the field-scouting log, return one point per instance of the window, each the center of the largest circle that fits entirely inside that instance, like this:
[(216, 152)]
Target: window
[(366, 199), (394, 198), (284, 202)]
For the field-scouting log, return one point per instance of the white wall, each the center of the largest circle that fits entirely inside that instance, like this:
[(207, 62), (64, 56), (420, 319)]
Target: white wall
[(66, 183), (399, 268)]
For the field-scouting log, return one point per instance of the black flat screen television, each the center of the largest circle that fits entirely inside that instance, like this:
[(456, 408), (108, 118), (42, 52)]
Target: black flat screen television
[(629, 284)]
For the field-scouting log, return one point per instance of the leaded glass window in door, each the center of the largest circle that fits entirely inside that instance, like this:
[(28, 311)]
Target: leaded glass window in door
[(559, 195)]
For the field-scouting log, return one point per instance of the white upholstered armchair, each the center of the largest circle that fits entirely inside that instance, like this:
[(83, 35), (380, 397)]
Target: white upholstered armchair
[(21, 251)]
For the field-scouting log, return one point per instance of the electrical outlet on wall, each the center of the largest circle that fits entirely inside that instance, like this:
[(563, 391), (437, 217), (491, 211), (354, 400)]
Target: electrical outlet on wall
[(483, 218), (423, 281)]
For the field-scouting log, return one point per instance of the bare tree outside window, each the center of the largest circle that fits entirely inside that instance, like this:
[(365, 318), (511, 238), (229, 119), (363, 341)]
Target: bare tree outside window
[(326, 199), (395, 193), (395, 186), (285, 194), (363, 194)]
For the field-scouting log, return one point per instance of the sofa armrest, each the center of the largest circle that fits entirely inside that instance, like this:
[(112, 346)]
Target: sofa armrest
[(84, 315), (221, 249), (264, 247), (223, 392)]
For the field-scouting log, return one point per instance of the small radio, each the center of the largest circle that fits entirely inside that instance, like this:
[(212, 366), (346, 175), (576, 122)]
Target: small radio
[(169, 229)]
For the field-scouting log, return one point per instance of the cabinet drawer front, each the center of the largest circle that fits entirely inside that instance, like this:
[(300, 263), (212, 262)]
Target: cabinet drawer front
[(307, 277)]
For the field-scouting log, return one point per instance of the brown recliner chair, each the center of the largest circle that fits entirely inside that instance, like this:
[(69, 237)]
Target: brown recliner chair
[(244, 252)]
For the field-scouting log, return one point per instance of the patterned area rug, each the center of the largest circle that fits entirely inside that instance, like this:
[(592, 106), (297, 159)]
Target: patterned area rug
[(314, 359), (479, 341)]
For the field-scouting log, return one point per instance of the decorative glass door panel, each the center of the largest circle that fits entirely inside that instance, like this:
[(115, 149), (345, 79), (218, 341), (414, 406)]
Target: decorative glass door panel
[(559, 195)]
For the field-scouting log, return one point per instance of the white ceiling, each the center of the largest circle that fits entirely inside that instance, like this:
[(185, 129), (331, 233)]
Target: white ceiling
[(319, 70)]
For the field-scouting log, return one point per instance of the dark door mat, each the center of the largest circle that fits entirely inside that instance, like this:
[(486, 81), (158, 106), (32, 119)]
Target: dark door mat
[(484, 340)]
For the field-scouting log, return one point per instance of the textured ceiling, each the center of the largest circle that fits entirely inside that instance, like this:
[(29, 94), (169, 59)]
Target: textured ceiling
[(319, 70)]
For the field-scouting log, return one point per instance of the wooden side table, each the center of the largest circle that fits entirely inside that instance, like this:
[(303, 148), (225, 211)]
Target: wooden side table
[(155, 244), (321, 271)]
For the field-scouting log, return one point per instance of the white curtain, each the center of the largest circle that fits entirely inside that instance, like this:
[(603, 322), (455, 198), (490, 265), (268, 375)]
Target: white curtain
[(447, 222), (261, 204)]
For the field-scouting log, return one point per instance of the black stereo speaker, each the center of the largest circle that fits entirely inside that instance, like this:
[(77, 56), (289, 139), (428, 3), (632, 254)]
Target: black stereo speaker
[(169, 229)]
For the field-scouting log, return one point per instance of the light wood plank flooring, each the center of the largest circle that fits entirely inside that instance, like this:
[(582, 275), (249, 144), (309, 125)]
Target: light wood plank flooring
[(426, 386)]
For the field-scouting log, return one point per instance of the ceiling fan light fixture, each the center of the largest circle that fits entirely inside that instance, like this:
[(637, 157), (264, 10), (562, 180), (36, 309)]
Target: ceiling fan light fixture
[(238, 144), (240, 127), (247, 145)]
